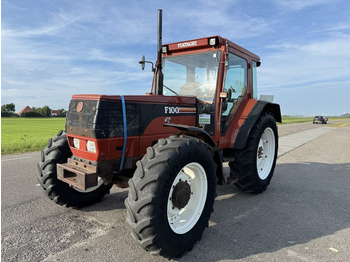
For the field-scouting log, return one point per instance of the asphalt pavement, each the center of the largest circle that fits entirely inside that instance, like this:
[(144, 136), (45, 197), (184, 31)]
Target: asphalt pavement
[(304, 215)]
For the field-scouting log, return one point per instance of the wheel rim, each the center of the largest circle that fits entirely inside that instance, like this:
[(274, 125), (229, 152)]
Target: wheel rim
[(185, 213), (265, 153)]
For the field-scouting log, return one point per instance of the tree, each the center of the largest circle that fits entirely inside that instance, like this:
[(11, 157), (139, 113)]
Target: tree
[(32, 114), (63, 113), (8, 108), (46, 111)]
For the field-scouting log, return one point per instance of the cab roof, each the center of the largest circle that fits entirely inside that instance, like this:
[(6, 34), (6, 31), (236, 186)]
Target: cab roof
[(206, 42)]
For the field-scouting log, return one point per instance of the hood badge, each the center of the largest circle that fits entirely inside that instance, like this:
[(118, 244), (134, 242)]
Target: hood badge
[(80, 107)]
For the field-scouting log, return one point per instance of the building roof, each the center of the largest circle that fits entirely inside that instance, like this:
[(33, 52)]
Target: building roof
[(25, 110)]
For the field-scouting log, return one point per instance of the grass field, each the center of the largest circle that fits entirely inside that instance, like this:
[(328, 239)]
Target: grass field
[(19, 135), (293, 120)]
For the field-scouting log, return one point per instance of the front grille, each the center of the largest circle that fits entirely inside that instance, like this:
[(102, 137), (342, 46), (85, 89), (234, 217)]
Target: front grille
[(102, 119)]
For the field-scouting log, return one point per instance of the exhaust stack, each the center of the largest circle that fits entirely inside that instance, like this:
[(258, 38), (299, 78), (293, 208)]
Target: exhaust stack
[(159, 49), (159, 83)]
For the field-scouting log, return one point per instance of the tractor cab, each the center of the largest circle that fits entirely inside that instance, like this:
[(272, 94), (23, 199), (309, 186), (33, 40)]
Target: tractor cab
[(219, 73)]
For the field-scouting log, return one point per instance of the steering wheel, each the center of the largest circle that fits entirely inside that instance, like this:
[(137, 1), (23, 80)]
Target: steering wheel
[(205, 92)]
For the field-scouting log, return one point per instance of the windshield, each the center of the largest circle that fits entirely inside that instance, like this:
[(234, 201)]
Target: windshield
[(191, 75)]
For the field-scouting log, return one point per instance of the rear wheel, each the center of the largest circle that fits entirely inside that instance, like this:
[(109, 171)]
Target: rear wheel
[(171, 196), (254, 165), (58, 151)]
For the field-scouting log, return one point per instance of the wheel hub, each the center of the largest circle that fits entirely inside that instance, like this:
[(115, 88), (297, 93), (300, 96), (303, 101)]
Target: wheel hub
[(260, 152), (181, 194)]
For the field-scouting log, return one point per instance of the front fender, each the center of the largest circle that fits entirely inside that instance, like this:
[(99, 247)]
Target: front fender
[(205, 137)]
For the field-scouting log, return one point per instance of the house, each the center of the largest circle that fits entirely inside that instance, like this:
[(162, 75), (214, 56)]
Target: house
[(55, 112), (25, 110)]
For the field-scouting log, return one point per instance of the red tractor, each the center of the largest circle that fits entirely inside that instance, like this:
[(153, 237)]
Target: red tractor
[(168, 146)]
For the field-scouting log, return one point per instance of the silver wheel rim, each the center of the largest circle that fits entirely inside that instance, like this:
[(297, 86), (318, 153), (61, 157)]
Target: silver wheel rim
[(265, 153), (184, 219)]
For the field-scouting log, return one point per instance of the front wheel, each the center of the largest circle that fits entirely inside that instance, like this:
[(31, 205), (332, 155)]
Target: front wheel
[(254, 165), (171, 196), (58, 151)]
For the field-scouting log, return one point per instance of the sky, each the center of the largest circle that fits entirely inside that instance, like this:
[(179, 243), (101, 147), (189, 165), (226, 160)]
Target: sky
[(53, 49)]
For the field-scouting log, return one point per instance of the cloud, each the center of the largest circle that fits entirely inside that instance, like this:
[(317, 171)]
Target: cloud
[(296, 5), (225, 18), (53, 49), (290, 64), (308, 78)]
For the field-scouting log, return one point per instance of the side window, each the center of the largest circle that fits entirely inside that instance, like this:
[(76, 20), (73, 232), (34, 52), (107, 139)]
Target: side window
[(255, 82), (236, 81)]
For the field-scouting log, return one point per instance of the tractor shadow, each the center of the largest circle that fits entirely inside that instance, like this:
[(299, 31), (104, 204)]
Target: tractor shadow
[(305, 201), (112, 201)]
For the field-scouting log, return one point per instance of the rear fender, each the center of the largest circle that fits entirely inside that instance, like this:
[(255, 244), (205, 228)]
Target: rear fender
[(205, 137), (251, 119)]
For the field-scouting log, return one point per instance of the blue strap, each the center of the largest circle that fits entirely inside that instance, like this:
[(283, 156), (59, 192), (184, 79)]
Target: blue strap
[(125, 133)]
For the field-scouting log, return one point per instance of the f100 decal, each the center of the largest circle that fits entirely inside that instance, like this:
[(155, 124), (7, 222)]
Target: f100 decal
[(179, 110)]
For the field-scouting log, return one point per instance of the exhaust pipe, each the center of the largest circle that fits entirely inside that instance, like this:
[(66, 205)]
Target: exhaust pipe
[(159, 49), (159, 86)]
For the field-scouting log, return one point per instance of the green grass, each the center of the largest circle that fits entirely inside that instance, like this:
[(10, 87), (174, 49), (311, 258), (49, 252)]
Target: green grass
[(19, 135), (341, 124), (292, 120)]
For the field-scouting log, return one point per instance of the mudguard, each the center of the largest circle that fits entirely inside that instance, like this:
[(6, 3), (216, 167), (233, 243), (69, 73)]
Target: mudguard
[(203, 135), (251, 119)]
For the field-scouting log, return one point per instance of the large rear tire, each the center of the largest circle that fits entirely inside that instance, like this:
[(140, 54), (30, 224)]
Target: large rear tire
[(58, 151), (254, 165), (171, 196)]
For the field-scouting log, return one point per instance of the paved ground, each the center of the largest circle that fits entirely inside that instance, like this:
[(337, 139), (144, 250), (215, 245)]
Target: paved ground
[(292, 141), (303, 216)]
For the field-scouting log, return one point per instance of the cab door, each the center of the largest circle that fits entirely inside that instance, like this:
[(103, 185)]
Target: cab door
[(236, 86)]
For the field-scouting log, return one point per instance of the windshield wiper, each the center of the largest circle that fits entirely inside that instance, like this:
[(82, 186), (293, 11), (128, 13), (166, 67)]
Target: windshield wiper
[(171, 90)]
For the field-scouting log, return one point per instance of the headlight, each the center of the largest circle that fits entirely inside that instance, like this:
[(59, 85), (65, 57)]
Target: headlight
[(90, 146), (76, 143)]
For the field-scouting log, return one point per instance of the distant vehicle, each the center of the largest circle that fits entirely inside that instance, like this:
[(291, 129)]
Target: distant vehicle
[(320, 119)]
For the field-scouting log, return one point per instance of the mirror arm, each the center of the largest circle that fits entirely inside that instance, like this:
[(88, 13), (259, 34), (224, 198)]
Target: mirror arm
[(142, 62)]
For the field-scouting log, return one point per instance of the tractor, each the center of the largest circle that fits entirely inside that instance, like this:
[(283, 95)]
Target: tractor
[(168, 146)]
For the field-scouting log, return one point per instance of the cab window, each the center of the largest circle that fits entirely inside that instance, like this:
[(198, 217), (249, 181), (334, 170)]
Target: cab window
[(236, 83)]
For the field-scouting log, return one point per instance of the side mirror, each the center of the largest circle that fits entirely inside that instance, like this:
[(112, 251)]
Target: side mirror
[(142, 62), (229, 95)]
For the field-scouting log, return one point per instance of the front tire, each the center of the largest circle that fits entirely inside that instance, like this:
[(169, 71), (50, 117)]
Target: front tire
[(254, 165), (58, 151), (171, 196)]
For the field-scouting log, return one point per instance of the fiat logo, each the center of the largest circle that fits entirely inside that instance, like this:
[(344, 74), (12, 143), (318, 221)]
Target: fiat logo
[(80, 107)]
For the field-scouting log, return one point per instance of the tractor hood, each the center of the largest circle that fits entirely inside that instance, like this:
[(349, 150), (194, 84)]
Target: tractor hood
[(102, 116)]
